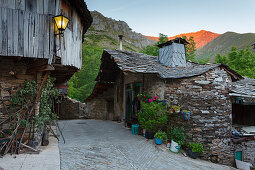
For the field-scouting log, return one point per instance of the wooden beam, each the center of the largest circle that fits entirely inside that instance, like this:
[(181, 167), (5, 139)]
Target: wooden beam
[(42, 68), (41, 88)]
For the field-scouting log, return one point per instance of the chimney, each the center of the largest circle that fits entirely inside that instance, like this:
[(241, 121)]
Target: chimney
[(172, 53), (120, 39)]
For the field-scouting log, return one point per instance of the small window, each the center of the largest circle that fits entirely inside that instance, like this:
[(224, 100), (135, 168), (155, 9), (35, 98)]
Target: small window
[(243, 113)]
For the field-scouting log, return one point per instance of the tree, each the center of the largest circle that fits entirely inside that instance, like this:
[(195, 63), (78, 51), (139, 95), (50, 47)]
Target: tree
[(203, 60), (242, 61), (82, 83), (151, 50), (221, 59), (162, 38), (190, 48), (154, 49)]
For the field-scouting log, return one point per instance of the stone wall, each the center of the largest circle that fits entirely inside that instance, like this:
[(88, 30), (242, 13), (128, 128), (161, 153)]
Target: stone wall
[(248, 149), (71, 109), (206, 96), (13, 73), (96, 109), (154, 86), (101, 107), (12, 76)]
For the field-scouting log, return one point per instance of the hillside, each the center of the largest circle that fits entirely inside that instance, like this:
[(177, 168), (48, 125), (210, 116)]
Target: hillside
[(104, 33), (223, 44), (201, 38)]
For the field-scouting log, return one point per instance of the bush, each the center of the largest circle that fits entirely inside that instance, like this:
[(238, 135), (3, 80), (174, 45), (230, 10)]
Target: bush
[(177, 135), (153, 114), (196, 147), (160, 135)]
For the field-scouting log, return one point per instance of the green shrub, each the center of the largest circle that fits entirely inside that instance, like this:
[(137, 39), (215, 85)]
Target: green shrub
[(160, 135), (153, 114), (177, 135), (196, 147)]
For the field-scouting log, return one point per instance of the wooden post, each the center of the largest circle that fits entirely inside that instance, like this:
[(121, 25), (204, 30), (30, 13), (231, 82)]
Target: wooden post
[(41, 88), (38, 82)]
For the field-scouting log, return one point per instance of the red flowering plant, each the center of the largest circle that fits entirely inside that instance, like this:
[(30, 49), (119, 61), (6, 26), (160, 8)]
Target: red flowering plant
[(153, 114), (143, 97)]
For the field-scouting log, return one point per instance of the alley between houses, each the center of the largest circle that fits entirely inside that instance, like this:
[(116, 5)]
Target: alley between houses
[(98, 144)]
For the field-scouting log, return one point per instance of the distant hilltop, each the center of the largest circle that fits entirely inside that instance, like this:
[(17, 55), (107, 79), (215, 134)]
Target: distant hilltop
[(201, 38), (104, 32)]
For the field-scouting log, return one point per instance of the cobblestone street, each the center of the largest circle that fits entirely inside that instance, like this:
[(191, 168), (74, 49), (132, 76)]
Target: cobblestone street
[(97, 144)]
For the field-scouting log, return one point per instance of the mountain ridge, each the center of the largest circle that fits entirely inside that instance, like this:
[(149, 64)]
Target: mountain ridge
[(223, 44), (104, 32), (201, 37)]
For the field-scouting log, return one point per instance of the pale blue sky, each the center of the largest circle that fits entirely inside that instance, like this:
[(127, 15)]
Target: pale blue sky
[(171, 17)]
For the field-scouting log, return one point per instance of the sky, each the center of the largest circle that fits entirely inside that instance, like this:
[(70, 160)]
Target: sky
[(172, 17)]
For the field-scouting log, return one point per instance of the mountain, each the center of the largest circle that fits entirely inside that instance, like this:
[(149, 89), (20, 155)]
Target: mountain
[(104, 33), (201, 37), (223, 44)]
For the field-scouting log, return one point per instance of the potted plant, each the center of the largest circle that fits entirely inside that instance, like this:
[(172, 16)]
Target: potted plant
[(150, 129), (195, 149), (186, 114), (159, 137), (175, 108), (152, 116), (178, 138)]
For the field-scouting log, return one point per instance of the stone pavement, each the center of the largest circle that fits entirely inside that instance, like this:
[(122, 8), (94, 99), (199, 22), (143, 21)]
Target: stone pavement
[(48, 159), (98, 144)]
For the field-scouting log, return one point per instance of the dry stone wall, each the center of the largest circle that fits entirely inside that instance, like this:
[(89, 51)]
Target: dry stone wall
[(154, 86), (71, 109), (96, 109), (12, 76), (101, 106), (206, 96), (248, 150)]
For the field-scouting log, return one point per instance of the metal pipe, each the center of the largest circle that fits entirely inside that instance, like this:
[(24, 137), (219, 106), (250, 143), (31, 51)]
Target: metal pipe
[(120, 39)]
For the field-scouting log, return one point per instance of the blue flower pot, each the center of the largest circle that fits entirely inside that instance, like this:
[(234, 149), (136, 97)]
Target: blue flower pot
[(135, 129), (158, 141), (186, 115)]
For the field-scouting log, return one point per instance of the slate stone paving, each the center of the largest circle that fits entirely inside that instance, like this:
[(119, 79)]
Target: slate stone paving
[(98, 144)]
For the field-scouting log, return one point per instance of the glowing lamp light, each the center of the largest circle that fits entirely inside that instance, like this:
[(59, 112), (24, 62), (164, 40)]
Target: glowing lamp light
[(61, 23)]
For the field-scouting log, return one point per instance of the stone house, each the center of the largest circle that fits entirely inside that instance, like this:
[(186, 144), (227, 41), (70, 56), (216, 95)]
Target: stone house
[(209, 91)]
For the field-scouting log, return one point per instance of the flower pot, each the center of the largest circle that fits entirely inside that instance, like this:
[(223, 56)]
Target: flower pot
[(149, 134), (158, 141), (144, 132), (191, 154), (186, 115), (175, 148), (135, 129), (168, 144)]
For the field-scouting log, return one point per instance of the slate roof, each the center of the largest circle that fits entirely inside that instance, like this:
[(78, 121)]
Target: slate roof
[(176, 40), (244, 87), (142, 63)]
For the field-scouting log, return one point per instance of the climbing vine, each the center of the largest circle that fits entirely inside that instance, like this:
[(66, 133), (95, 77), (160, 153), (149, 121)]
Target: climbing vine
[(25, 98)]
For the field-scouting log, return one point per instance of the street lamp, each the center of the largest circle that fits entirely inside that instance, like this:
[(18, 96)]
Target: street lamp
[(61, 23)]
